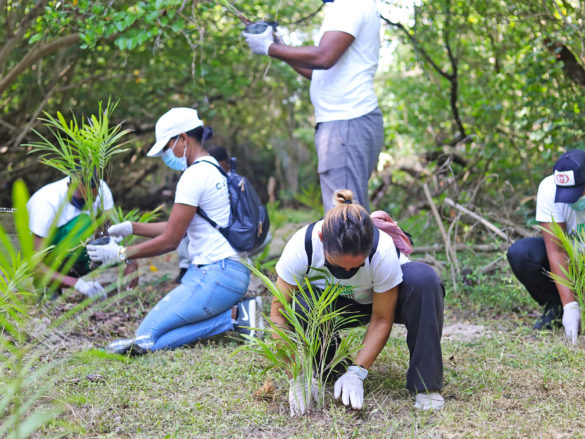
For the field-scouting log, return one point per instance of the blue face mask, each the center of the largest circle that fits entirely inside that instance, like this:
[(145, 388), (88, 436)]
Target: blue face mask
[(328, 1), (579, 205), (174, 162)]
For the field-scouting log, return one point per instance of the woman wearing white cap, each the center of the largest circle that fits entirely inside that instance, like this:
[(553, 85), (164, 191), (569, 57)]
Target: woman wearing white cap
[(216, 280)]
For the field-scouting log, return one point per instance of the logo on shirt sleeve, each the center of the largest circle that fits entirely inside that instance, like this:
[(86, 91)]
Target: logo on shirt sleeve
[(564, 178)]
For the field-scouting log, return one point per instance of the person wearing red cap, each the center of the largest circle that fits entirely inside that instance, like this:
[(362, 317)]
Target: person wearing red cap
[(560, 199)]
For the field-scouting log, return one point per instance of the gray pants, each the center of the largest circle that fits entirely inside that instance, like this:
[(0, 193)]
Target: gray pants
[(420, 309), (347, 152)]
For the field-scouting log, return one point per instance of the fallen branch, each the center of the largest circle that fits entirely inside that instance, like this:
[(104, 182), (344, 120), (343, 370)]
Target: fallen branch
[(522, 231), (450, 253), (482, 220), (492, 265)]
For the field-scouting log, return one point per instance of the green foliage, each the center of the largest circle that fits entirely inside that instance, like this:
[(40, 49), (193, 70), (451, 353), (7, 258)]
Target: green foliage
[(310, 196), (23, 382), (82, 150), (305, 341), (118, 216), (574, 275)]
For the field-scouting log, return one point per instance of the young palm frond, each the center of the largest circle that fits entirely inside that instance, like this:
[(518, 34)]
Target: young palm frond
[(574, 274), (300, 349), (81, 150)]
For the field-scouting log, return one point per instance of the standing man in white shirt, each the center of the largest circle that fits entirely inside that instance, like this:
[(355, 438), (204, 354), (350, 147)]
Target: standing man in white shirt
[(560, 199), (350, 131)]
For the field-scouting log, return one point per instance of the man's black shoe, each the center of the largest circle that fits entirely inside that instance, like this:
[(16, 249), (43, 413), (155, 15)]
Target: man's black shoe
[(552, 317)]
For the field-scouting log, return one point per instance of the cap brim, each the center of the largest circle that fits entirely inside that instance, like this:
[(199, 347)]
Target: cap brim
[(569, 194), (157, 148)]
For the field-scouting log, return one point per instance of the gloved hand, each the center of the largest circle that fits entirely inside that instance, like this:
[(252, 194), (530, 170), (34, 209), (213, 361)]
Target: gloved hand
[(350, 386), (90, 289), (259, 43), (121, 230), (111, 252), (300, 397), (571, 321)]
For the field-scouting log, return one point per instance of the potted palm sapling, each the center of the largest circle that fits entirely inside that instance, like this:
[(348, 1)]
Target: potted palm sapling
[(83, 149), (299, 349)]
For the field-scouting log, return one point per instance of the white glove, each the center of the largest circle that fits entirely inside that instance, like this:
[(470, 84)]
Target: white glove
[(111, 252), (121, 230), (259, 43), (350, 386), (571, 321), (90, 289), (299, 400)]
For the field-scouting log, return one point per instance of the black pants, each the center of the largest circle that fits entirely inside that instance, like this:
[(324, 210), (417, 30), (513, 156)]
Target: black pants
[(420, 309), (530, 265)]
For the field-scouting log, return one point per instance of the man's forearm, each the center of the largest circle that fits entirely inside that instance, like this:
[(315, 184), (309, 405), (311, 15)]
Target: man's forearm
[(306, 58), (148, 230)]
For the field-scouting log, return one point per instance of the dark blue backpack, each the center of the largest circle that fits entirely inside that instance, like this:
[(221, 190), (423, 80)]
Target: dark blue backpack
[(249, 222)]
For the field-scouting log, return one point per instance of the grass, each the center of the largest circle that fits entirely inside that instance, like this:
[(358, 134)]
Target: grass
[(510, 382)]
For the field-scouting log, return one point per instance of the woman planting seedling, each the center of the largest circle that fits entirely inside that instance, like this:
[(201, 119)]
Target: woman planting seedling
[(216, 280), (378, 287)]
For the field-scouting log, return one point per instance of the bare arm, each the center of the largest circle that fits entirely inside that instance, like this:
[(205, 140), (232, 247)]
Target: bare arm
[(557, 259), (275, 314), (169, 237), (149, 230), (61, 280), (305, 59), (379, 328)]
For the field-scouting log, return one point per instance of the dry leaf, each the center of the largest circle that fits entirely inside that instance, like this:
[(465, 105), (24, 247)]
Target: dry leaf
[(266, 392)]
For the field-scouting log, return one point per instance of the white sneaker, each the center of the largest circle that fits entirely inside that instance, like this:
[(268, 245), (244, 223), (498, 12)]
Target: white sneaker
[(250, 316), (429, 401)]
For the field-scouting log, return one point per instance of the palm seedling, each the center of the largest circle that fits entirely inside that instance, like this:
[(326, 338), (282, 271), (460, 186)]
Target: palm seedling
[(574, 275), (300, 349), (82, 150)]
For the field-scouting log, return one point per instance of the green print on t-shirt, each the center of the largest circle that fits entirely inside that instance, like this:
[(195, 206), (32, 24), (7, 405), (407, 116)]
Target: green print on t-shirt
[(346, 291)]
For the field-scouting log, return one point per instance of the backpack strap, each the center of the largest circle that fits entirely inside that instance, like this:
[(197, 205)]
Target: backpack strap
[(375, 240), (219, 168), (200, 211), (309, 245)]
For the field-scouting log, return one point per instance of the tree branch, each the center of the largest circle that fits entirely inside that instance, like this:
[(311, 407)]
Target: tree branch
[(34, 55), (418, 47), (454, 75), (571, 66), (25, 23)]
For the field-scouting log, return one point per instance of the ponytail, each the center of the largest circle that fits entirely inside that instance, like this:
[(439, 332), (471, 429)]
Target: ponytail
[(347, 228), (201, 134)]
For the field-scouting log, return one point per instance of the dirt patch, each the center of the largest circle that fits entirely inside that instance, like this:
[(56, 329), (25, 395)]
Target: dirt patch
[(464, 332), (459, 332)]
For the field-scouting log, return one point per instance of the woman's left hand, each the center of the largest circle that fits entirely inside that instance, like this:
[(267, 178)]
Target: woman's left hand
[(109, 253)]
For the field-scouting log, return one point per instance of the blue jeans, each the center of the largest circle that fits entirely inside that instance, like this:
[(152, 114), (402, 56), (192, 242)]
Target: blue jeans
[(198, 308)]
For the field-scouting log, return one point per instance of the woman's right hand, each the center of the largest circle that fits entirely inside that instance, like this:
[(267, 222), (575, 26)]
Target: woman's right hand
[(121, 230)]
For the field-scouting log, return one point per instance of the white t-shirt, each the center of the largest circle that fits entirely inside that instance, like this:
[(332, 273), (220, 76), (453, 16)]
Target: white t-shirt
[(51, 200), (381, 275), (346, 90), (547, 210), (203, 186)]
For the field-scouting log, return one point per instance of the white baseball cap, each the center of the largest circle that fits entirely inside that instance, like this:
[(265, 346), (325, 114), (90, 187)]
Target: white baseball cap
[(172, 123)]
